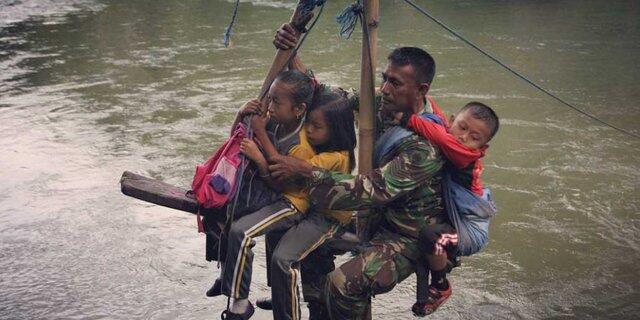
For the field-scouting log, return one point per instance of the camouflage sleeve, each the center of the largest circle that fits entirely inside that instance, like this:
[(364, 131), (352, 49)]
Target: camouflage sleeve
[(354, 99), (415, 164)]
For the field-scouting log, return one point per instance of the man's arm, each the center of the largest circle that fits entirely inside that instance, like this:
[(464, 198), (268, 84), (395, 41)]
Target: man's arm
[(410, 169)]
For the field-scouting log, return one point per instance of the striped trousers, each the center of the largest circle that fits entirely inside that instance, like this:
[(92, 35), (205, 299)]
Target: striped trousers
[(300, 240), (236, 279)]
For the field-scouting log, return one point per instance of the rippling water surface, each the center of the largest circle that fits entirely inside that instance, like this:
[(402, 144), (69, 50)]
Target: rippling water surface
[(90, 88)]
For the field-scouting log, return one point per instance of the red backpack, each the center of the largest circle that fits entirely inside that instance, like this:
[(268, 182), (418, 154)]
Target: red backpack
[(215, 180)]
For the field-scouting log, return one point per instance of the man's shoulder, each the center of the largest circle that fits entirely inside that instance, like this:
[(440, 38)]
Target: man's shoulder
[(415, 142), (418, 152)]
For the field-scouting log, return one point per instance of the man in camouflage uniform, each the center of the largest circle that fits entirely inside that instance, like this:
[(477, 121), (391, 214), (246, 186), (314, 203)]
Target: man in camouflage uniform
[(405, 191)]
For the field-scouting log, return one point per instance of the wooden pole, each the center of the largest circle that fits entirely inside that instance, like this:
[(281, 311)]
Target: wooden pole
[(366, 121)]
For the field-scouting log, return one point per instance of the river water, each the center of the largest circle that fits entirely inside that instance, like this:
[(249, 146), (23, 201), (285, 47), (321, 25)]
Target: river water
[(91, 88)]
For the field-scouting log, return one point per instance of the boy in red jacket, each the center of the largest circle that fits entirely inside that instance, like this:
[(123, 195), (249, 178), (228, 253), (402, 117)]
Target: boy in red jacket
[(463, 143)]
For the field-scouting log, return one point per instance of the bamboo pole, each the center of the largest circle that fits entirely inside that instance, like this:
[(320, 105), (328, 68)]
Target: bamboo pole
[(366, 121)]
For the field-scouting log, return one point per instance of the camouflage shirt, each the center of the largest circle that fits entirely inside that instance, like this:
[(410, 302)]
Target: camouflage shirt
[(406, 188)]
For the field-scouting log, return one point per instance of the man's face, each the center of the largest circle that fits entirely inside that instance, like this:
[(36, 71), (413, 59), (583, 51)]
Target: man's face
[(469, 131), (399, 88)]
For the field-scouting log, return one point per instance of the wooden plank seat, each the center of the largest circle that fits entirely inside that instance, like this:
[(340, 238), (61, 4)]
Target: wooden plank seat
[(167, 195)]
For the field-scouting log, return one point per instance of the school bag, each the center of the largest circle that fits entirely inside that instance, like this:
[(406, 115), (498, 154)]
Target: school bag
[(215, 180), (215, 184), (468, 213)]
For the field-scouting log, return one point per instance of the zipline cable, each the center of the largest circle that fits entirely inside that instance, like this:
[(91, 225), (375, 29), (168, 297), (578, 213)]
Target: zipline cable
[(516, 73)]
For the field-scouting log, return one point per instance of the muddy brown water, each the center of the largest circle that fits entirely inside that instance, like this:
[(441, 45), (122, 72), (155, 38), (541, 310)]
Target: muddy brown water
[(90, 88)]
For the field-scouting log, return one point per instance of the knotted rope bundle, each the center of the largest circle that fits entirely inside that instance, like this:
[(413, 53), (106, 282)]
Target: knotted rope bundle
[(348, 19)]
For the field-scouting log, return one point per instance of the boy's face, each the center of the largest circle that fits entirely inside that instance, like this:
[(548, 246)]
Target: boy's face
[(469, 131)]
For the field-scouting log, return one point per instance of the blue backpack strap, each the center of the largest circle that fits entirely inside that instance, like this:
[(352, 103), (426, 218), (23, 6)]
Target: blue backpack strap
[(390, 139), (388, 142)]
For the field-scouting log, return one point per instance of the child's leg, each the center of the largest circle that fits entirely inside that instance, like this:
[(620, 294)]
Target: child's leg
[(434, 238), (439, 271), (271, 240), (294, 246), (238, 263), (429, 297), (422, 281)]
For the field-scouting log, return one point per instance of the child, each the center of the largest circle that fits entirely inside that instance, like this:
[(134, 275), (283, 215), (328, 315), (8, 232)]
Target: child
[(463, 145), (289, 95), (289, 114), (331, 131)]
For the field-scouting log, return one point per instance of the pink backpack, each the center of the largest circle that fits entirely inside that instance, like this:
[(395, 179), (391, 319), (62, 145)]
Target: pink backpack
[(215, 180)]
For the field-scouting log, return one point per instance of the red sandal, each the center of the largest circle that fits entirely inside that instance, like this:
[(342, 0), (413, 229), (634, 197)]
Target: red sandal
[(435, 298)]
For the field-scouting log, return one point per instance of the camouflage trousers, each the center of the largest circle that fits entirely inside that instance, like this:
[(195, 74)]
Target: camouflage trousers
[(389, 260)]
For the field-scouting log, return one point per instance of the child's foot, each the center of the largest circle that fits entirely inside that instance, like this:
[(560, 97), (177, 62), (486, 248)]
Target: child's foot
[(264, 303), (215, 290), (228, 315), (435, 298)]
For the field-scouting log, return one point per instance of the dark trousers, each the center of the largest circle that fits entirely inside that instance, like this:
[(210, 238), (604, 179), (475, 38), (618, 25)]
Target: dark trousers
[(300, 240)]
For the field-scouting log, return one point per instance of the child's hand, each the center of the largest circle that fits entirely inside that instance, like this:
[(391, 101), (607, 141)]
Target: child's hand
[(259, 122), (250, 149), (443, 241), (251, 107)]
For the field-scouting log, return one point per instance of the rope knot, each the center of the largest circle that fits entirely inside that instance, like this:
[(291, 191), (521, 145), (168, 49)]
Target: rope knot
[(348, 18), (357, 8)]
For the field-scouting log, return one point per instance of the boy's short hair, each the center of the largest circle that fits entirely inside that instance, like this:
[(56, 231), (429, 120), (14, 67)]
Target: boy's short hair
[(423, 64), (481, 111)]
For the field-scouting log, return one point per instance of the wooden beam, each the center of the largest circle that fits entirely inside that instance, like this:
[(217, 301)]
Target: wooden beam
[(158, 192)]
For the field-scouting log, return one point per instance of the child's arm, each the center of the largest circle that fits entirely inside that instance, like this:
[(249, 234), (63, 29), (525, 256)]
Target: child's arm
[(460, 155), (259, 124), (251, 151)]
